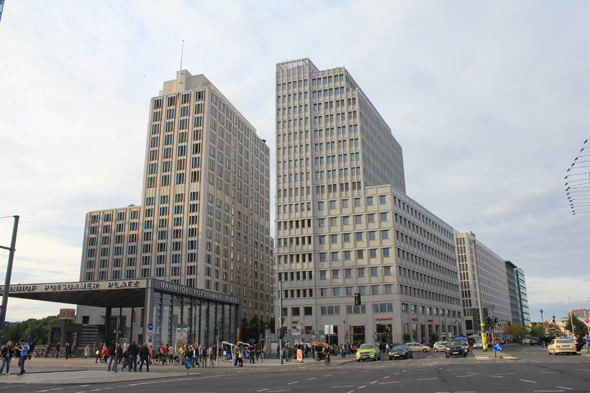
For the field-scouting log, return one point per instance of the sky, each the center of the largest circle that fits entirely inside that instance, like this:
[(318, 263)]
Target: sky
[(489, 101)]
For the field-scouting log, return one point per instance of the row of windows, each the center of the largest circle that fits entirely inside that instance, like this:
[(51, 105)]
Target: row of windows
[(425, 310), (363, 290), (360, 272), (424, 294)]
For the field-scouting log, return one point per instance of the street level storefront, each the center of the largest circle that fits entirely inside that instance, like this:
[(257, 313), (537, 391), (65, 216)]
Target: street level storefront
[(166, 309)]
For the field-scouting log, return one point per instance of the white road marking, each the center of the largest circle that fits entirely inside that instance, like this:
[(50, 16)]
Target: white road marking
[(291, 383), (343, 386), (526, 380), (505, 373), (386, 377), (350, 391), (426, 379), (309, 379), (548, 372), (328, 375), (262, 390), (362, 387), (385, 383), (548, 391), (563, 387), (373, 382), (496, 376)]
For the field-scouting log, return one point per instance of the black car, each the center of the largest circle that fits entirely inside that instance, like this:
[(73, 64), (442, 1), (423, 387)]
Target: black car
[(400, 351), (459, 347)]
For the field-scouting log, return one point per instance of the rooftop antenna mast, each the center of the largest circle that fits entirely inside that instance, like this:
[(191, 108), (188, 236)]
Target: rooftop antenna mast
[(181, 55)]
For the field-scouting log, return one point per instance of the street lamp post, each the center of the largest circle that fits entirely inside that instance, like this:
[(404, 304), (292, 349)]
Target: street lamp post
[(11, 249), (484, 342)]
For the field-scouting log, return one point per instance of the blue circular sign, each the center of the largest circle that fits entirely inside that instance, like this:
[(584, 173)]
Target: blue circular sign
[(150, 326), (188, 363), (497, 347)]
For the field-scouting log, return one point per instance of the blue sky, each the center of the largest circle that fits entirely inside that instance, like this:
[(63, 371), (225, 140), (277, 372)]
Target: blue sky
[(489, 101)]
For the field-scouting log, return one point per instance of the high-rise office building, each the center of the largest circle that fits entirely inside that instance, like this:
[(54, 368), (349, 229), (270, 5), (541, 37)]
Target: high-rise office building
[(204, 220), (344, 224), (523, 298), (477, 262)]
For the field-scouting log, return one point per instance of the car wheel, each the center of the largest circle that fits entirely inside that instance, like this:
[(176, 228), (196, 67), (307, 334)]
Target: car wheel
[(447, 355), (465, 355), (425, 350), (390, 358), (358, 360), (435, 350)]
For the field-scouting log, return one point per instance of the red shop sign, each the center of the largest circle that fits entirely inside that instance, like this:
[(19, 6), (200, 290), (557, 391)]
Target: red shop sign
[(430, 320), (414, 319), (384, 319)]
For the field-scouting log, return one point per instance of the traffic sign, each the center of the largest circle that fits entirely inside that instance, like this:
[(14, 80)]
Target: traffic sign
[(150, 326), (497, 347), (188, 362), (587, 321)]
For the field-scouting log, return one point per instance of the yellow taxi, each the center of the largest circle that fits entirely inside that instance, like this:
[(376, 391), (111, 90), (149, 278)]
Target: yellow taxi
[(368, 351), (417, 347), (439, 346), (561, 345)]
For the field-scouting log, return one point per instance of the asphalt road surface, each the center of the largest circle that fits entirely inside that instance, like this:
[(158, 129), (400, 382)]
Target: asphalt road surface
[(533, 371)]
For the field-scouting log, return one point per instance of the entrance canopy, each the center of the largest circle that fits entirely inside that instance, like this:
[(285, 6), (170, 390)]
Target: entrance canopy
[(112, 294)]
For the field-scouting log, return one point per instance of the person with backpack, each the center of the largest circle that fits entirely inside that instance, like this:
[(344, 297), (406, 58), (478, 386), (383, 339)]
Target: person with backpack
[(144, 356), (112, 356)]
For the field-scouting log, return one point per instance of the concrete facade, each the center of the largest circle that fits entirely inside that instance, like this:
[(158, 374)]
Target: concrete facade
[(344, 224), (204, 221), (493, 281)]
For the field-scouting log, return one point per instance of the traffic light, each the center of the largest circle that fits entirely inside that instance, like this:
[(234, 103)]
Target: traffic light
[(496, 320), (357, 299), (216, 330), (554, 319)]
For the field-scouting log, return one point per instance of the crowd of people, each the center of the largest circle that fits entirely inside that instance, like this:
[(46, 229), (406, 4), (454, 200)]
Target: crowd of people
[(20, 351)]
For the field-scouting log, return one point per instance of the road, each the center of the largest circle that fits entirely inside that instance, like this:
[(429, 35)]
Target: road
[(532, 371)]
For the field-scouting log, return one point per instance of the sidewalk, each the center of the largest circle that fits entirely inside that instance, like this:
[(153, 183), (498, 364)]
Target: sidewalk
[(43, 371)]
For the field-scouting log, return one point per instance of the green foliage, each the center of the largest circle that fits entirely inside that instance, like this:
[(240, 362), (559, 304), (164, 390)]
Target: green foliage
[(34, 331), (515, 329), (537, 329), (580, 326)]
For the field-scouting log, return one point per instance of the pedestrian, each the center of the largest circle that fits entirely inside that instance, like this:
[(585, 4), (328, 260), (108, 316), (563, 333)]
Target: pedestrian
[(104, 353), (68, 351), (133, 352), (240, 357), (24, 351), (204, 356), (6, 354), (587, 343), (252, 354), (119, 354), (31, 349), (87, 351), (98, 354), (288, 353), (57, 349), (48, 348), (112, 356), (144, 356), (125, 358), (212, 355)]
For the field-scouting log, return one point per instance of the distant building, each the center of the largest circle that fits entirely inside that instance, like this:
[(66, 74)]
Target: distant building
[(519, 304), (581, 313), (476, 261), (1, 8)]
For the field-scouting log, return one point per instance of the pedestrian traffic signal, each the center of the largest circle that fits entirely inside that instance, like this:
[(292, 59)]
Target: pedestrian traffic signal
[(357, 299), (496, 320)]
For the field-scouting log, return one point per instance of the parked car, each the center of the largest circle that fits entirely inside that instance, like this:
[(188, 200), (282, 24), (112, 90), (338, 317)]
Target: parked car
[(526, 340), (478, 345), (457, 347), (562, 345), (534, 340), (399, 352), (417, 347), (368, 351), (439, 346)]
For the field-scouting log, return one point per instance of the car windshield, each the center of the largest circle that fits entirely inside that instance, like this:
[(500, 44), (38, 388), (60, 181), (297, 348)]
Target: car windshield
[(398, 348), (367, 346), (457, 342), (563, 341)]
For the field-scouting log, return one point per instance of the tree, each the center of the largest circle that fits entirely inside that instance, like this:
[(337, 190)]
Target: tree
[(581, 328), (34, 331), (537, 329), (515, 329)]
